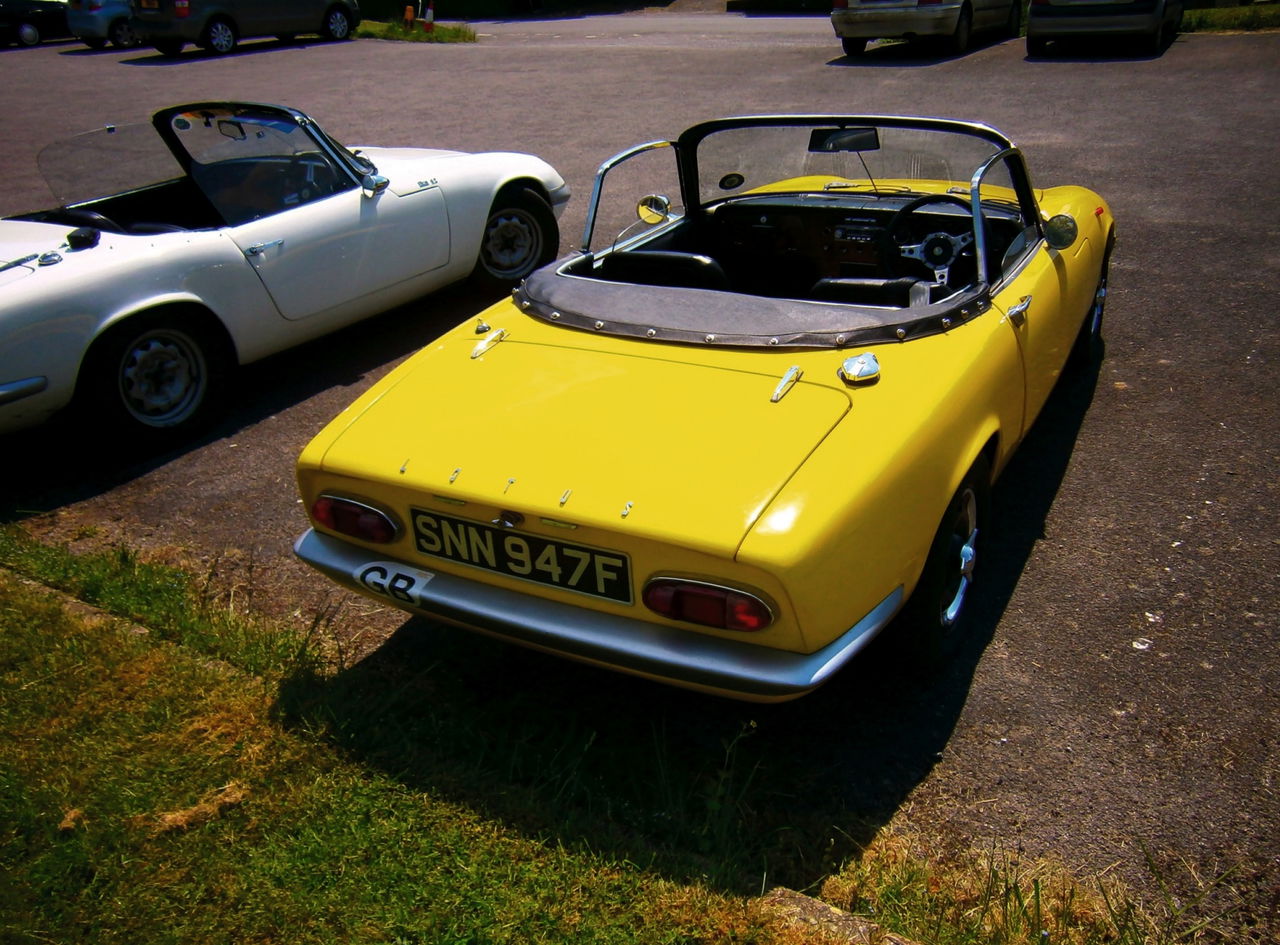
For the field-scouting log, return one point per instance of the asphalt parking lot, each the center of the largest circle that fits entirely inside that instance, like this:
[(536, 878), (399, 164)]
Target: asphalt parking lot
[(1124, 698)]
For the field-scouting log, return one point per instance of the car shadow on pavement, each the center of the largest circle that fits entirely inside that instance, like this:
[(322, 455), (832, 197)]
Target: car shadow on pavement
[(1101, 49), (146, 56), (66, 460), (694, 786), (901, 54)]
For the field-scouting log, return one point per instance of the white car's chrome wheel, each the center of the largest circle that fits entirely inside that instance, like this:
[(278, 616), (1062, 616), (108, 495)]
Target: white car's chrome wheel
[(519, 236), (163, 378)]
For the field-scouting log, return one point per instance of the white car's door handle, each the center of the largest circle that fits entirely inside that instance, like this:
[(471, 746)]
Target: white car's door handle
[(1018, 314), (257, 249)]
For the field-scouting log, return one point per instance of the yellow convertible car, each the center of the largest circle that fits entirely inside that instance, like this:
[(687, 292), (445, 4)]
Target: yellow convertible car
[(730, 443)]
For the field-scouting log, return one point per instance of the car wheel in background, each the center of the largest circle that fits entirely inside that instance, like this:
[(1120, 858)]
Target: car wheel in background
[(123, 35), (1037, 45), (1014, 24), (853, 45), (94, 42), (959, 40), (936, 618), (219, 37), (154, 377), (28, 34), (519, 236), (337, 24)]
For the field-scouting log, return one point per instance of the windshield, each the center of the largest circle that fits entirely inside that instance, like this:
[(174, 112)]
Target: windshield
[(111, 160), (806, 157)]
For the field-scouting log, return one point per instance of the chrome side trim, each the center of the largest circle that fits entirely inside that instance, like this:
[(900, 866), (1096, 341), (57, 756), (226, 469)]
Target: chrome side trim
[(16, 390), (678, 657)]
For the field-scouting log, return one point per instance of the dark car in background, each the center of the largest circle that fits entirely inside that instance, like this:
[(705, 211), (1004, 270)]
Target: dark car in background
[(98, 22), (27, 22), (1153, 22), (217, 26)]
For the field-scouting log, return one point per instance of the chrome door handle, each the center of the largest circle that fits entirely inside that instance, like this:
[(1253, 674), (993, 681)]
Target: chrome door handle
[(257, 249), (1018, 314)]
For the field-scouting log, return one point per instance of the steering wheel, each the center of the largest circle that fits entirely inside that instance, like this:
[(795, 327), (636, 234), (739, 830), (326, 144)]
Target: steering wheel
[(79, 216), (938, 251)]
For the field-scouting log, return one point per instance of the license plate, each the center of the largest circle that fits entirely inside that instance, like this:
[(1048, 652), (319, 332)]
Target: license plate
[(560, 564)]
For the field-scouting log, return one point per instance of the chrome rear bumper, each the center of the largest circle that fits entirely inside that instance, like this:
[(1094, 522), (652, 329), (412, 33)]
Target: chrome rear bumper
[(654, 651)]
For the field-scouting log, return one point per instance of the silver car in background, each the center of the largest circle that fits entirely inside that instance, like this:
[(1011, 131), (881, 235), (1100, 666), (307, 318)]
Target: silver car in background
[(97, 22), (953, 21)]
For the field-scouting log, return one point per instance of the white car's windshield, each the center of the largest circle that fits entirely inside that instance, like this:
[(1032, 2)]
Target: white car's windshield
[(113, 159)]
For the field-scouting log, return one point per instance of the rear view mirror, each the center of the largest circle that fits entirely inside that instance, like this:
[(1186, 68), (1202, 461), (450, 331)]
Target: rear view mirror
[(830, 140), (654, 209)]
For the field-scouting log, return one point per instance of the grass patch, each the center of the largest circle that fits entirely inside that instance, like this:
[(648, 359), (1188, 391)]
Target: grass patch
[(1256, 16), (210, 778), (441, 33)]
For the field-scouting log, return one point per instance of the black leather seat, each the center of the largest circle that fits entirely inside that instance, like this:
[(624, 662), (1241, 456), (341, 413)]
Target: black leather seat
[(662, 267)]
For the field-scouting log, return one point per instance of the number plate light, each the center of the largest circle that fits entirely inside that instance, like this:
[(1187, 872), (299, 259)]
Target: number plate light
[(355, 519), (708, 604)]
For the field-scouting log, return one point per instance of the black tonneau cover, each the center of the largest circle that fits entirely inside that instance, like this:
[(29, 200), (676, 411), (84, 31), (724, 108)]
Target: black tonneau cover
[(561, 294)]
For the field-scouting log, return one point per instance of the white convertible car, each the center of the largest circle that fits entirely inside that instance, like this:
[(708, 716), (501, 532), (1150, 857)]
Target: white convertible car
[(267, 233)]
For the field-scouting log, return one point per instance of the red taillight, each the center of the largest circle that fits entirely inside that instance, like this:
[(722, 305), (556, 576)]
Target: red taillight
[(181, 9), (355, 519), (95, 5), (707, 604)]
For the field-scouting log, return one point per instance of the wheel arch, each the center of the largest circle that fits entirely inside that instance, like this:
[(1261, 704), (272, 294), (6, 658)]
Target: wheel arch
[(192, 311), (518, 183)]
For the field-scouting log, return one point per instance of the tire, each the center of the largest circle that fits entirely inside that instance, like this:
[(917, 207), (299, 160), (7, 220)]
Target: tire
[(936, 619), (219, 37), (27, 34), (1155, 40), (853, 46), (94, 42), (1037, 45), (1088, 346), (959, 40), (123, 35), (1013, 26), (520, 235), (154, 377), (337, 24), (168, 47)]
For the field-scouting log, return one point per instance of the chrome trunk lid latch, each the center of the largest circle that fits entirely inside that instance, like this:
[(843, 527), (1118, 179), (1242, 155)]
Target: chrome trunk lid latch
[(788, 381)]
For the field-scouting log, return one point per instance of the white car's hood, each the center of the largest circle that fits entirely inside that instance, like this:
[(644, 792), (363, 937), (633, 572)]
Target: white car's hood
[(22, 244)]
